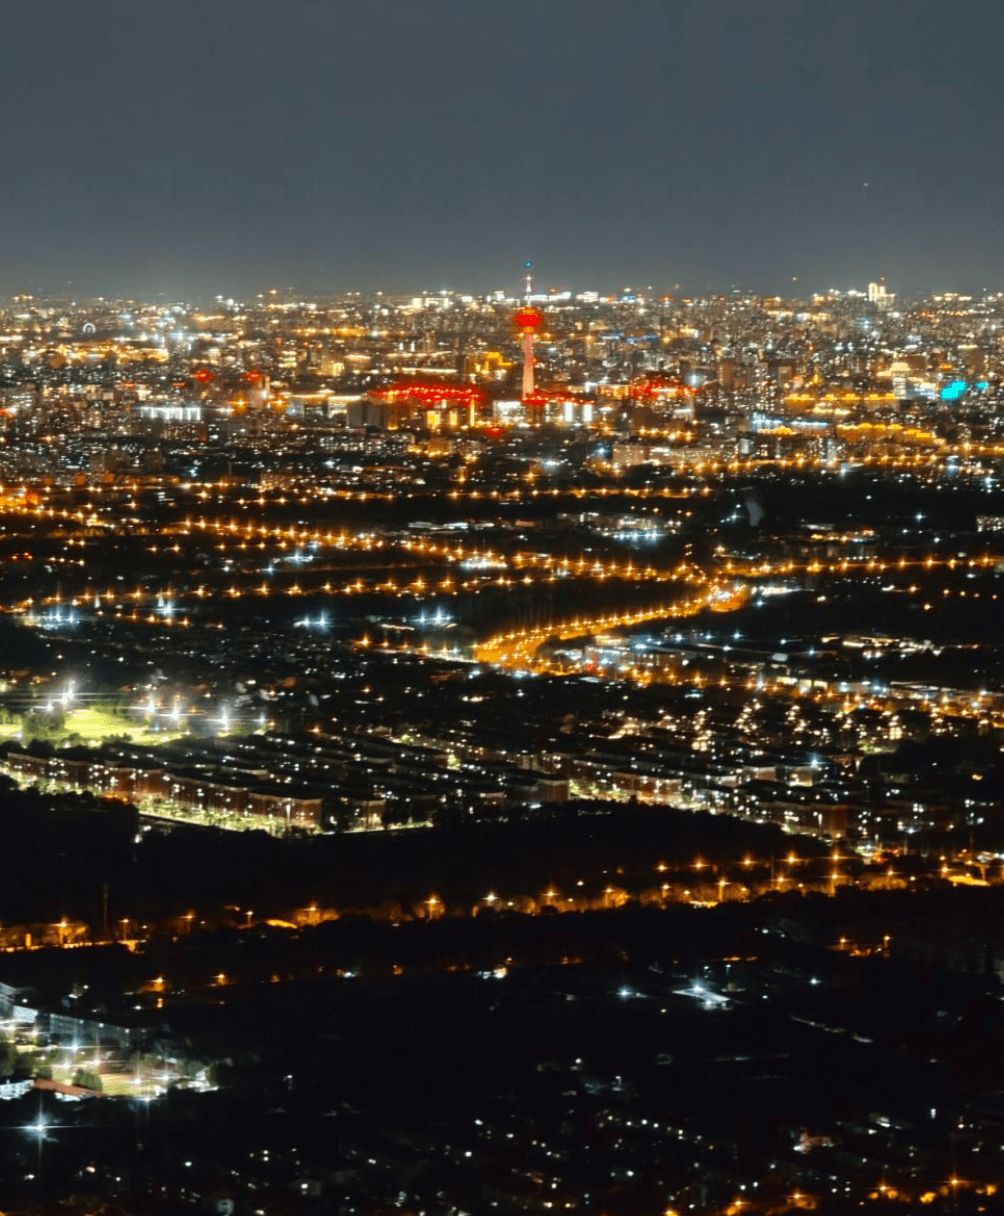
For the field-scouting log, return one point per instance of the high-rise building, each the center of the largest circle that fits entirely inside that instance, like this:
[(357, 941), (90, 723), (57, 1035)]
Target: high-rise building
[(529, 320), (877, 295)]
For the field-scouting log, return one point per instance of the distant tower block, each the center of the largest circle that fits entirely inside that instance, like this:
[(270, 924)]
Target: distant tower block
[(877, 295), (529, 320)]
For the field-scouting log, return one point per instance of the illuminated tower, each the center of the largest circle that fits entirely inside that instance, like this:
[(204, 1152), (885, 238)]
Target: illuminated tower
[(528, 319)]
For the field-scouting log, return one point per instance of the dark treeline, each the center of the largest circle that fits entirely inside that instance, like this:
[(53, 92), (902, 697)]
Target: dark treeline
[(67, 846)]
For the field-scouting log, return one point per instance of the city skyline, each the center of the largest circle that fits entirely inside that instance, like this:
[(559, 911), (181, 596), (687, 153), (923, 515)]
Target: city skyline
[(448, 771), (501, 570)]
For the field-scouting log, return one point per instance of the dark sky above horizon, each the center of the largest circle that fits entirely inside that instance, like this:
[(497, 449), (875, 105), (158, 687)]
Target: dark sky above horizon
[(229, 145)]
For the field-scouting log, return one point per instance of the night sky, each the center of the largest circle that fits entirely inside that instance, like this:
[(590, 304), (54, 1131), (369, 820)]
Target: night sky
[(232, 145)]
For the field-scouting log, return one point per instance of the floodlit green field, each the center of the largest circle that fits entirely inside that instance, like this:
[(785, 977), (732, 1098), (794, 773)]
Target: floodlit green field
[(115, 1085), (93, 724)]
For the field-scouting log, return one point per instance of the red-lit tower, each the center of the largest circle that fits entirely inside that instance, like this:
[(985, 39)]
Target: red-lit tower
[(529, 320)]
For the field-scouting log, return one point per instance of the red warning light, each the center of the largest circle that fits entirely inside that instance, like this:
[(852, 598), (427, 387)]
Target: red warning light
[(203, 376), (528, 319), (540, 397), (431, 396), (660, 386)]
